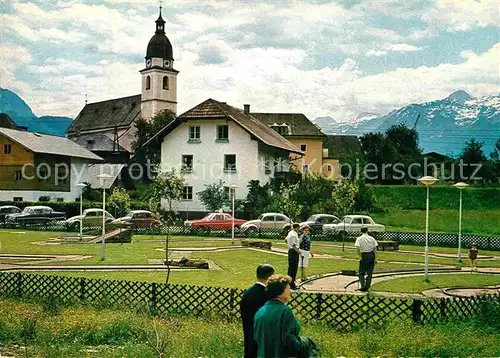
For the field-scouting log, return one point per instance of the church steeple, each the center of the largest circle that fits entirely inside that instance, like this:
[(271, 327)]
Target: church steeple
[(160, 24)]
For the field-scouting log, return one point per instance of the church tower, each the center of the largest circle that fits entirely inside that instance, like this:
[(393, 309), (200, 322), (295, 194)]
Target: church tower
[(159, 78)]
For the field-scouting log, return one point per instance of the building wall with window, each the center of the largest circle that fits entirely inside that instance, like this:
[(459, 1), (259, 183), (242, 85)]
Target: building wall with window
[(313, 158), (331, 169), (204, 150)]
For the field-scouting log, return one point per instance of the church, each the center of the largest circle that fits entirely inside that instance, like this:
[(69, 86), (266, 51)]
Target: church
[(107, 128)]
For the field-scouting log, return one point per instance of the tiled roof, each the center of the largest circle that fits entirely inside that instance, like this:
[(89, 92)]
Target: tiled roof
[(340, 145), (298, 123), (97, 142), (211, 109), (116, 112), (48, 144)]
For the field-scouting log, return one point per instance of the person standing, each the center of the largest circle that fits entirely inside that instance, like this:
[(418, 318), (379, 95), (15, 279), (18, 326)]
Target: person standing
[(305, 250), (366, 246), (473, 256), (276, 329), (293, 242), (254, 298)]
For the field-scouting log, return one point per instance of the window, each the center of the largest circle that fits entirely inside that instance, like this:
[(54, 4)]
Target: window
[(268, 218), (230, 162), (282, 218), (194, 133), (165, 82), (267, 165), (223, 133), (62, 176), (305, 168), (148, 82), (329, 168), (281, 129), (356, 221), (303, 147), (18, 198), (187, 193), (187, 163), (43, 174), (19, 175), (7, 149)]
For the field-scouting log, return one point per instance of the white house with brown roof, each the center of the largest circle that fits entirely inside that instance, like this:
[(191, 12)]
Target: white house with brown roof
[(214, 141)]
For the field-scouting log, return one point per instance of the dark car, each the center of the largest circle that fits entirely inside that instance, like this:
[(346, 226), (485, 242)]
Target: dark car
[(34, 215), (8, 209), (316, 222)]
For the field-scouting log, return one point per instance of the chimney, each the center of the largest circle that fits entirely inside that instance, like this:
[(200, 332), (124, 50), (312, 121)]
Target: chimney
[(246, 108)]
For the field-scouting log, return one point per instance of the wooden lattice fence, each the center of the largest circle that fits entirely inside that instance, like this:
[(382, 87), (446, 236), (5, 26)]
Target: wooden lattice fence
[(338, 310)]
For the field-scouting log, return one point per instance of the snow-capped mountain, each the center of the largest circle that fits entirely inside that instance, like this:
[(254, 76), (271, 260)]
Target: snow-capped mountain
[(444, 125)]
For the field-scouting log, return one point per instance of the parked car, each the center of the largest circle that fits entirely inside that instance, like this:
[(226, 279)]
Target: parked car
[(34, 215), (353, 224), (8, 209), (316, 222), (91, 218), (267, 221), (215, 221), (139, 218)]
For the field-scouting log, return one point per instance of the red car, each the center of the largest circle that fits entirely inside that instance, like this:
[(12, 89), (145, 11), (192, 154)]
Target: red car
[(139, 218), (215, 221)]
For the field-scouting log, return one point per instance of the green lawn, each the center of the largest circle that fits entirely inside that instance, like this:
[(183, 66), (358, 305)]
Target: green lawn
[(417, 284), (44, 329)]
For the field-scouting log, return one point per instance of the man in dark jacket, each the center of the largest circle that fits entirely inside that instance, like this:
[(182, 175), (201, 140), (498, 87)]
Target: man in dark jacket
[(253, 299)]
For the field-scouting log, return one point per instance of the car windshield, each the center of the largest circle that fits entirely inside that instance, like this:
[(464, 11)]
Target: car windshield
[(346, 220), (129, 214), (261, 216), (312, 218)]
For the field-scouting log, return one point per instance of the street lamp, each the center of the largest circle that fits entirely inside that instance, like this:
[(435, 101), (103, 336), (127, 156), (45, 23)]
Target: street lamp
[(460, 186), (103, 177), (81, 186), (233, 188), (427, 181)]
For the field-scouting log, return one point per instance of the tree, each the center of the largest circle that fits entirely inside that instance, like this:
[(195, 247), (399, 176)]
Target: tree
[(495, 160), (119, 202), (473, 156), (378, 150), (343, 197), (214, 197), (283, 201), (145, 130), (168, 186), (257, 199)]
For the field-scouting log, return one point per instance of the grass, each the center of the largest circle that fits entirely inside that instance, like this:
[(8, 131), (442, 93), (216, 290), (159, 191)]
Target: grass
[(417, 284), (75, 331)]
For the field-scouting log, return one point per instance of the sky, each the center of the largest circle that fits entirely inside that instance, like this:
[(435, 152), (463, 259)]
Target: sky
[(321, 58)]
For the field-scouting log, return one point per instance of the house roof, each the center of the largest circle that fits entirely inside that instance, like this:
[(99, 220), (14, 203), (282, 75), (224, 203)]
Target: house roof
[(48, 144), (7, 122), (112, 113), (339, 145), (98, 142), (298, 123), (212, 109)]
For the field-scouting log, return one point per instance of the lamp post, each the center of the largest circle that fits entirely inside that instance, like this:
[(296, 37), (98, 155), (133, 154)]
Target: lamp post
[(233, 188), (103, 177), (460, 186), (81, 186), (427, 181)]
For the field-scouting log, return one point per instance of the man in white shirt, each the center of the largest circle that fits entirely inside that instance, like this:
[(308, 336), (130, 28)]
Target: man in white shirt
[(366, 246), (294, 253)]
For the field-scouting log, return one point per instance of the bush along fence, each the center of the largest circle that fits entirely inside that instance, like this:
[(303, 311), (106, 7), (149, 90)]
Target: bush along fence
[(337, 310)]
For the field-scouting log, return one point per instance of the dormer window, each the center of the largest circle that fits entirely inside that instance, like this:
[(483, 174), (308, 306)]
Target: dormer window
[(165, 82), (282, 129), (148, 82), (90, 141)]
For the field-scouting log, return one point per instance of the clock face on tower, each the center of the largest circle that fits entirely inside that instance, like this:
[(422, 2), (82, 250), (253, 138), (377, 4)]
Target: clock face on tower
[(167, 63), (148, 63)]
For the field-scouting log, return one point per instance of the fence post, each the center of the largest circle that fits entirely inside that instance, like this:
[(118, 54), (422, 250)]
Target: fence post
[(82, 288), (153, 295), (319, 302), (416, 310), (442, 307), (19, 284)]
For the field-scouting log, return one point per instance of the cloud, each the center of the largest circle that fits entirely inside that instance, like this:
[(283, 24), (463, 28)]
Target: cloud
[(403, 48), (376, 53)]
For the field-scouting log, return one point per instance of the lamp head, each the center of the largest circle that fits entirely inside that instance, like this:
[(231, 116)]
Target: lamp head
[(81, 185), (461, 185), (233, 186), (428, 180)]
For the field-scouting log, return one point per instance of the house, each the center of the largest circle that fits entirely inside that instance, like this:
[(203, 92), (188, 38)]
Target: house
[(107, 128), (34, 165), (300, 131), (214, 141)]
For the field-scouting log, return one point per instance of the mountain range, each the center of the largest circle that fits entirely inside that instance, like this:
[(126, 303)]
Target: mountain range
[(443, 125), (22, 115)]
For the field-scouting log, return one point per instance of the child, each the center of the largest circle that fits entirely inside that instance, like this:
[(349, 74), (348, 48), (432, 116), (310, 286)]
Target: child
[(305, 249), (473, 257)]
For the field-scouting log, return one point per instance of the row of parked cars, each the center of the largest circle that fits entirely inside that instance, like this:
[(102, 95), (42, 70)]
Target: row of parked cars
[(319, 223), (12, 216)]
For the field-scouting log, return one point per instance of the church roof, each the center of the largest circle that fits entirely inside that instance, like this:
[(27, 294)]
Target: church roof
[(159, 45), (48, 144), (211, 109), (298, 123), (108, 114)]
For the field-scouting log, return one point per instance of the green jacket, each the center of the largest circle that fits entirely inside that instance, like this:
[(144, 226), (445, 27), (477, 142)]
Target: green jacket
[(276, 331)]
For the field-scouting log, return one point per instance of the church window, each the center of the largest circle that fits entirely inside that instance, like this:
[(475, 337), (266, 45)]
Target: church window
[(148, 82), (165, 82)]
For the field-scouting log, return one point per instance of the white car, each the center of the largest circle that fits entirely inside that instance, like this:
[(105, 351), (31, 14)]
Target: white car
[(353, 224), (91, 217), (267, 222)]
